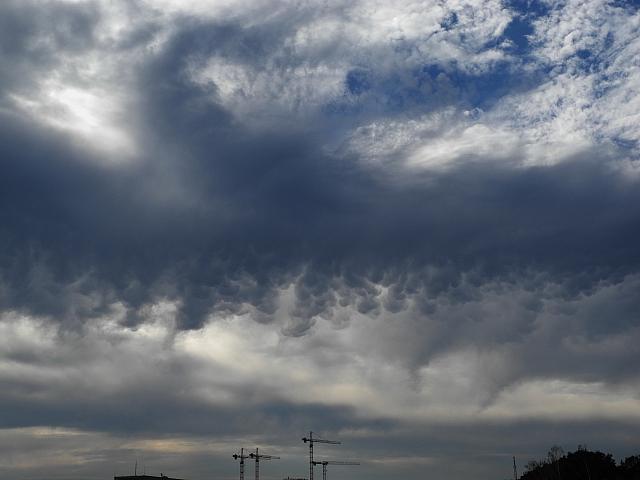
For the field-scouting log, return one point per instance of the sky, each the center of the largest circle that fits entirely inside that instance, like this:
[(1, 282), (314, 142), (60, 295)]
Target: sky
[(411, 226)]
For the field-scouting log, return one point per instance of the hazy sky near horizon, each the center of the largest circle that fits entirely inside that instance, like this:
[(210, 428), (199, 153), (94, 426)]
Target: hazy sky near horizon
[(411, 226)]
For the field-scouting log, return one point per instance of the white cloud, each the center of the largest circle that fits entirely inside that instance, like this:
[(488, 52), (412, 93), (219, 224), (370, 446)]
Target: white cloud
[(583, 103), (556, 399), (401, 366), (272, 91), (92, 116), (306, 71), (592, 50)]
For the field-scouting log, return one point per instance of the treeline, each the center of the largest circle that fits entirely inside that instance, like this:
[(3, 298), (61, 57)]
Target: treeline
[(582, 464)]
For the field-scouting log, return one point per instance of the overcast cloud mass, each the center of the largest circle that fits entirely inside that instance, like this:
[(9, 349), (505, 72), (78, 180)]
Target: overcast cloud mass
[(408, 225)]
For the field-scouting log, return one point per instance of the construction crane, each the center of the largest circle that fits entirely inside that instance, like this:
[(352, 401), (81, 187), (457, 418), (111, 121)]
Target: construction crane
[(310, 440), (256, 456), (242, 457), (324, 464)]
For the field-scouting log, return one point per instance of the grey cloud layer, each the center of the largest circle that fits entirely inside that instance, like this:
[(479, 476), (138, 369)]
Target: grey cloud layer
[(235, 199), (257, 218), (217, 215)]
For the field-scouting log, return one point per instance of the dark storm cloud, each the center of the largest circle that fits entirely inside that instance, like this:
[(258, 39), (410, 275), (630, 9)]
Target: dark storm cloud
[(257, 211), (526, 273), (269, 209), (142, 410), (217, 215)]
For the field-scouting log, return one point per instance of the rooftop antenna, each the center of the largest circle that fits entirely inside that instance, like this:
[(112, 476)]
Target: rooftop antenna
[(135, 469), (311, 441), (515, 469)]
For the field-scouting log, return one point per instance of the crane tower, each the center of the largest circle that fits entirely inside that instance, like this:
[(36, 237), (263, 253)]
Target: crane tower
[(257, 456), (310, 440), (324, 464), (242, 458)]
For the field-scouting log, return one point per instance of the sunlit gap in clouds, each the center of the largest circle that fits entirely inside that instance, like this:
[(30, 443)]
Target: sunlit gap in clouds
[(93, 118)]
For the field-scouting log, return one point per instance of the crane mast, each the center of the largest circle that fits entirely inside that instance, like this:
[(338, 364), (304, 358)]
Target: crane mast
[(324, 464), (310, 440), (242, 458), (257, 456)]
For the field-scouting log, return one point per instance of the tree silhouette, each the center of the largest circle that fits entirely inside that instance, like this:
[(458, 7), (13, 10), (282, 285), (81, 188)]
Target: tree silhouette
[(582, 464)]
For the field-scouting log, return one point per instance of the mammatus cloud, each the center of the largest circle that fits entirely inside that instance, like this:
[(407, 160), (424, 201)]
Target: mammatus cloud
[(409, 224)]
